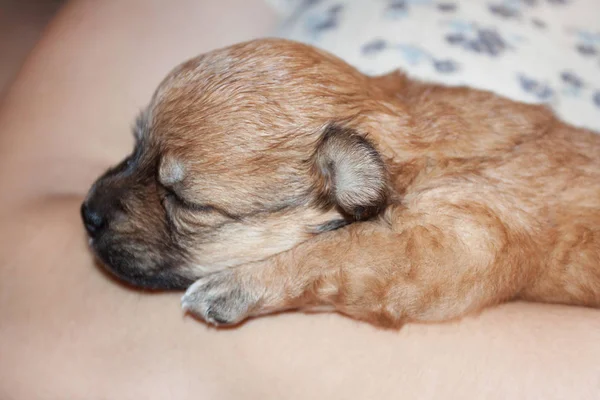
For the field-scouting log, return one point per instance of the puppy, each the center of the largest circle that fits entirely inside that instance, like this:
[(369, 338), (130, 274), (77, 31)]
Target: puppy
[(271, 175)]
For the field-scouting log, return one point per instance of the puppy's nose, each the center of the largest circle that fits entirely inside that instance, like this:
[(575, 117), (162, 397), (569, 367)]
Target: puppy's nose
[(93, 221)]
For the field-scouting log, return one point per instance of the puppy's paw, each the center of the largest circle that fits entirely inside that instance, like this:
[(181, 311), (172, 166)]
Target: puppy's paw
[(218, 299)]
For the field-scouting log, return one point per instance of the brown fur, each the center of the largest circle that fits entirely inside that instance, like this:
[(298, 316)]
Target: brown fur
[(454, 199)]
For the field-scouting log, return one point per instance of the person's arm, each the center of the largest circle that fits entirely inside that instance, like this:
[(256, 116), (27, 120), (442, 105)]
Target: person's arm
[(68, 331)]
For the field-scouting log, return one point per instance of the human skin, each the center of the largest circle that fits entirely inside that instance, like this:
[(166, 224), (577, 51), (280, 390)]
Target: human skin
[(67, 330)]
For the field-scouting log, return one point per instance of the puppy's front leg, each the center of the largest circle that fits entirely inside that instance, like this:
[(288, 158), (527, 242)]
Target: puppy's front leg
[(405, 267)]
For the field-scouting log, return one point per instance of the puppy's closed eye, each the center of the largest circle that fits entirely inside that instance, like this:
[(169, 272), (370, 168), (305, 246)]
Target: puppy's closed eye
[(171, 174), (169, 195)]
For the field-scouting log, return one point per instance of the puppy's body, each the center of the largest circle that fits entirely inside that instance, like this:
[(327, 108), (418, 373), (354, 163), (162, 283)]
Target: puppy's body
[(249, 157)]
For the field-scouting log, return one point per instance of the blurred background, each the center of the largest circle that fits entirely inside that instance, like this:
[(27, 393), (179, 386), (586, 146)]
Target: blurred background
[(542, 51), (21, 25)]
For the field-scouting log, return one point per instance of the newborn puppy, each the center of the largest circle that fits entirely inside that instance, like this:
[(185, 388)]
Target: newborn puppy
[(270, 175)]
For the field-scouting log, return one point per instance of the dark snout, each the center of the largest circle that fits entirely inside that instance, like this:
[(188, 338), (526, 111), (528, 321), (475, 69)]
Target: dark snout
[(99, 211), (104, 201), (93, 220), (123, 218)]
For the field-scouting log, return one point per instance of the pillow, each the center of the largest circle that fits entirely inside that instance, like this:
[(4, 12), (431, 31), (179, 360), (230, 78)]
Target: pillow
[(542, 51), (286, 8)]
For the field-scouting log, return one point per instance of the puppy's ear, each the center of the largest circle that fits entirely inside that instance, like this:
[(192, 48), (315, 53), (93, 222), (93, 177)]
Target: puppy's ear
[(350, 173)]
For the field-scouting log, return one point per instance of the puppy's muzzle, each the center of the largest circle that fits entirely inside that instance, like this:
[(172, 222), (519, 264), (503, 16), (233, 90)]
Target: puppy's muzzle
[(133, 254)]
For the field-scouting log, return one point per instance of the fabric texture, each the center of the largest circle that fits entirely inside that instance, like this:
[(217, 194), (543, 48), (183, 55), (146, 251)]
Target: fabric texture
[(542, 51), (287, 7)]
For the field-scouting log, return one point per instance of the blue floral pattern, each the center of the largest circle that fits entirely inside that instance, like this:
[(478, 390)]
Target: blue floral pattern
[(540, 90), (320, 22), (414, 55), (483, 40), (545, 51)]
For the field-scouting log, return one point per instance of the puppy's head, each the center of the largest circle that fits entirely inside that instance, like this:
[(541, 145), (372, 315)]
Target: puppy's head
[(242, 153)]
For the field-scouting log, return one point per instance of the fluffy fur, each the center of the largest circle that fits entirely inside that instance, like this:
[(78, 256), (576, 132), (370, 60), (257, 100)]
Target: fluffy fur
[(276, 176)]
